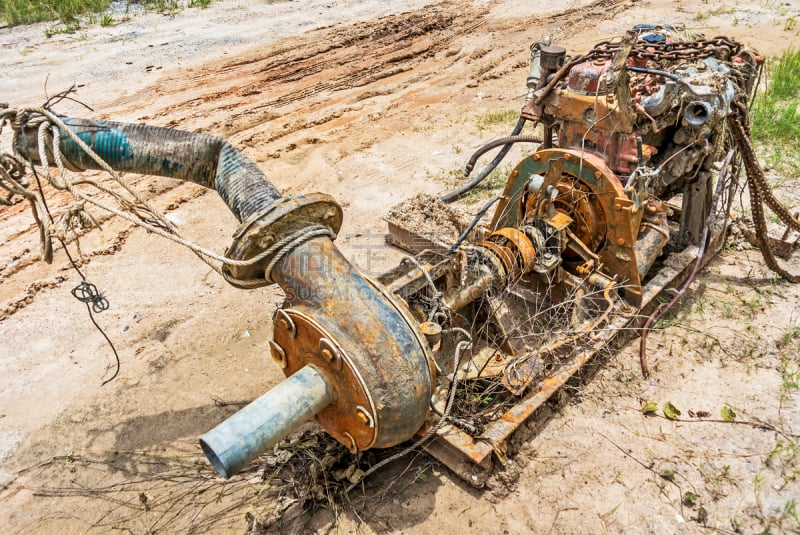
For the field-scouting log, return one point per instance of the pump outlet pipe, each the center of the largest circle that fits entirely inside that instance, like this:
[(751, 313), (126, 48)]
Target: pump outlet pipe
[(354, 358), (262, 423)]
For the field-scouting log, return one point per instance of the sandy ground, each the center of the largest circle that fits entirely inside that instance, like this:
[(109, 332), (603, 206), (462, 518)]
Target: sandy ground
[(371, 102)]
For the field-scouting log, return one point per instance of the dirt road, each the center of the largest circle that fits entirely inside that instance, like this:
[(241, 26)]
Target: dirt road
[(372, 103)]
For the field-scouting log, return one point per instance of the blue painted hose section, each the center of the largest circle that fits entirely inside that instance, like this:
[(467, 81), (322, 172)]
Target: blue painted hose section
[(261, 424), (207, 160)]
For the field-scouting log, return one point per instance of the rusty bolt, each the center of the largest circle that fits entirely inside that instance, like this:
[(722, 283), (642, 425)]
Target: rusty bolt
[(598, 174), (278, 354), (364, 416), (330, 353), (537, 156), (432, 332), (285, 322), (620, 242), (617, 207)]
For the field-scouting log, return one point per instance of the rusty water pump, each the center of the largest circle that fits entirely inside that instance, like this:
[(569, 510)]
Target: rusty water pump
[(584, 225), (354, 356)]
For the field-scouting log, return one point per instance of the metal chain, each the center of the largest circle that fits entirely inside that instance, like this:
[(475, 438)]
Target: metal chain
[(760, 191), (721, 48), (671, 51)]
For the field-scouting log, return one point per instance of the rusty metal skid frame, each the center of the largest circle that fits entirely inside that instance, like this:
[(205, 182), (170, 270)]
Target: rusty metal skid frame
[(472, 459)]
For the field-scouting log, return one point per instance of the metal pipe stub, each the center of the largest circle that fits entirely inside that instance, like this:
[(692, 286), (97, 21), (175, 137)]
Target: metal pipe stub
[(300, 341), (265, 421)]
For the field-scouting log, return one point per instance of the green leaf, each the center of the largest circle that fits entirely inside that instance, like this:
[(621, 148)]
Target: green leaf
[(689, 498), (669, 475), (727, 414), (650, 407), (670, 411), (702, 516)]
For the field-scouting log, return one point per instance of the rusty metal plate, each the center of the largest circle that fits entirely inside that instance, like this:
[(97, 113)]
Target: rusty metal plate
[(300, 341)]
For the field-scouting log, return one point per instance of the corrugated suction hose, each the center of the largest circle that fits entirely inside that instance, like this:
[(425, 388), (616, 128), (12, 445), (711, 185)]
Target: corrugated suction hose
[(204, 159)]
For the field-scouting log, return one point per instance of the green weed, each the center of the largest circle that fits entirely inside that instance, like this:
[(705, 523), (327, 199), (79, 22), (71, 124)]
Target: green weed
[(791, 334), (718, 480), (724, 10), (699, 306), (790, 511), (727, 311), (167, 7), (491, 185), (69, 12), (507, 116), (66, 28), (29, 11), (775, 115), (790, 377), (784, 458)]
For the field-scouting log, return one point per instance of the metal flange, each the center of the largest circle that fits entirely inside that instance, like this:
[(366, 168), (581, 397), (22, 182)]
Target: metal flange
[(351, 418), (278, 220)]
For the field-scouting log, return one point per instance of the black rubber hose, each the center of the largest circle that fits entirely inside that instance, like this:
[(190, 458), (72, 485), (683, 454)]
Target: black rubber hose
[(206, 160), (480, 177), (472, 224), (508, 140)]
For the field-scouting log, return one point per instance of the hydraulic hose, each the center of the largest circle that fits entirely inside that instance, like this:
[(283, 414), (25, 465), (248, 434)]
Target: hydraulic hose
[(207, 160), (480, 177), (473, 223), (508, 140)]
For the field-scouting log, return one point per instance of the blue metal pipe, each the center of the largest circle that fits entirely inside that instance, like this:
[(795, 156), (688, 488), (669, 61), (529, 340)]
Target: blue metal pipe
[(261, 424)]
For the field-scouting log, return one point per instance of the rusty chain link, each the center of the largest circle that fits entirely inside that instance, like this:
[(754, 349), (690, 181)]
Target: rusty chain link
[(760, 191), (722, 48)]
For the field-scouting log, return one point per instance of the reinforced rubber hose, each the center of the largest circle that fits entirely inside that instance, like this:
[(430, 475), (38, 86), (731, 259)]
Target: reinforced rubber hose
[(480, 177), (508, 140), (472, 224), (207, 160)]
